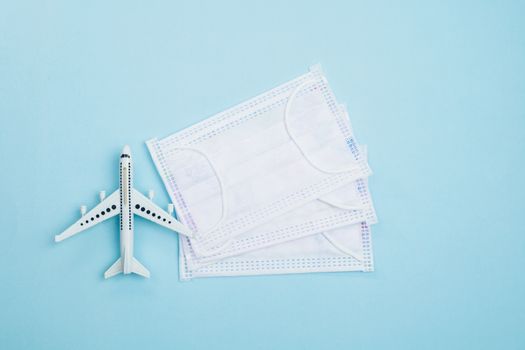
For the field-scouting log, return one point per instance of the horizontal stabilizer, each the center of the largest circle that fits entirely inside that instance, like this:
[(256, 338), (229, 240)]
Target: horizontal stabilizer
[(139, 269), (115, 269)]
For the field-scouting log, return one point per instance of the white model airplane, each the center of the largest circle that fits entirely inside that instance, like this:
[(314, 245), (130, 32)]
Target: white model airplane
[(125, 201)]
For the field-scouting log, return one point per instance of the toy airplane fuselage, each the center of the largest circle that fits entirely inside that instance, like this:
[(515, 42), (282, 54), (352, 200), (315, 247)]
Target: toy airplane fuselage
[(127, 202)]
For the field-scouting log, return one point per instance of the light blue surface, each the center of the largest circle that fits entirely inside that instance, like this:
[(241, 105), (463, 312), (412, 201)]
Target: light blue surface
[(436, 90)]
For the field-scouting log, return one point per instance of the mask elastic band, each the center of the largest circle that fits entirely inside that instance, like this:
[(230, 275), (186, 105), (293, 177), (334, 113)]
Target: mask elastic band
[(339, 247), (343, 206), (293, 137), (222, 187)]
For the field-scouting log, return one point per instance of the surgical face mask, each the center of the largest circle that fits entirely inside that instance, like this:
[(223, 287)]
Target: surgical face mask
[(257, 161), (343, 249), (349, 204), (308, 220)]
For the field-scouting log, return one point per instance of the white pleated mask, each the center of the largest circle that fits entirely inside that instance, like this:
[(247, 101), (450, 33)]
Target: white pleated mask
[(345, 249), (347, 205), (257, 161)]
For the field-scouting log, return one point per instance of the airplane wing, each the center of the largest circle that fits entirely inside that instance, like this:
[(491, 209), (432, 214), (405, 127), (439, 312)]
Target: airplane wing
[(106, 209), (144, 207)]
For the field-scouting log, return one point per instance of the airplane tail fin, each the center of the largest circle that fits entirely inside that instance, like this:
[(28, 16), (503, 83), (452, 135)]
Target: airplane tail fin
[(118, 267), (139, 269), (115, 269)]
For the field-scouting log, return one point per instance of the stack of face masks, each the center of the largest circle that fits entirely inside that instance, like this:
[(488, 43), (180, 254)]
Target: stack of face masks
[(274, 185)]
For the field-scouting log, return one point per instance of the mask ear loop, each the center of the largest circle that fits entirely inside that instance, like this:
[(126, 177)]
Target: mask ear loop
[(305, 155), (339, 247), (221, 187), (343, 206), (294, 138)]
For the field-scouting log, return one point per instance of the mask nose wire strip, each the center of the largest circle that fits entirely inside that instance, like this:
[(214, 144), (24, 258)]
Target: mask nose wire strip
[(339, 247), (221, 186), (289, 104)]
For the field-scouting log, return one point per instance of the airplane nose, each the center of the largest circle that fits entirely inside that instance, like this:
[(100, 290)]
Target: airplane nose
[(126, 150)]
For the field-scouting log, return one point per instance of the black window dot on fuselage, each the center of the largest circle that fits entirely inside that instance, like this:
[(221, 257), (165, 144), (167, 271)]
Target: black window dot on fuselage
[(142, 209), (98, 216), (113, 206), (87, 221), (148, 211), (81, 224), (92, 219), (153, 214), (108, 210), (169, 222), (164, 219), (137, 206), (103, 212)]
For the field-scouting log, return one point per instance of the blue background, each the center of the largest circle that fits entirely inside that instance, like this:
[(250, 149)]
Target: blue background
[(437, 91)]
